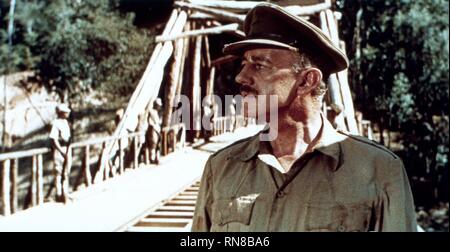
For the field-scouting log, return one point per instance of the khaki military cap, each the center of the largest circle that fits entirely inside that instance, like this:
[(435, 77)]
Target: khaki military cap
[(270, 26)]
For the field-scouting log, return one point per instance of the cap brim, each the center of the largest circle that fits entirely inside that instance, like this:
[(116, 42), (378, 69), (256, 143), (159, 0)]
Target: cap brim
[(239, 48)]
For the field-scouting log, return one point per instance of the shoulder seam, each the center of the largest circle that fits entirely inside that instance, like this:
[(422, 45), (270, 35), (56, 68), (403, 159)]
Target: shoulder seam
[(370, 142)]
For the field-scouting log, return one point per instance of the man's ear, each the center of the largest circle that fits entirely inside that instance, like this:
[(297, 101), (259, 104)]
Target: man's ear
[(309, 79)]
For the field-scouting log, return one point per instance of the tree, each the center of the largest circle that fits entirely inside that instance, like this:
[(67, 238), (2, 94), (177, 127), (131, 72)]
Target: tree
[(399, 71)]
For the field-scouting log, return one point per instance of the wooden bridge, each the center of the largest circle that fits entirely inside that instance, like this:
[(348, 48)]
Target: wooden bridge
[(136, 195)]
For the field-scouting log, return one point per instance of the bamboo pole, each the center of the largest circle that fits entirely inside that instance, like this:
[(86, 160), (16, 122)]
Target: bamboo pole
[(39, 180), (194, 33), (14, 188), (6, 186)]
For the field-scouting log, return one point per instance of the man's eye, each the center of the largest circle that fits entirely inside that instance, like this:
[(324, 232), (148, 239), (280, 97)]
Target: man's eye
[(259, 66)]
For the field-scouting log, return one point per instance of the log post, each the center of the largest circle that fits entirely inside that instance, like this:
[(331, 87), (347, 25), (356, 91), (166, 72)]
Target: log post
[(135, 152), (173, 82), (121, 156), (14, 188), (347, 98), (196, 90), (39, 180), (33, 180), (6, 186), (87, 166)]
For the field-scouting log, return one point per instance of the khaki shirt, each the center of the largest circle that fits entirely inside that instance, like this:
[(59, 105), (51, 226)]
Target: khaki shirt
[(347, 183)]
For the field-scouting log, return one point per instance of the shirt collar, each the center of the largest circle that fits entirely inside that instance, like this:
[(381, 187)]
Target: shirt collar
[(328, 143)]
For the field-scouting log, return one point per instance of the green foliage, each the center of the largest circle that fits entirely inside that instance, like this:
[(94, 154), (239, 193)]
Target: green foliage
[(78, 46), (399, 53)]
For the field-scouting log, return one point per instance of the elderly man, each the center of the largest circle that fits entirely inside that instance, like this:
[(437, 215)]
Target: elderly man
[(310, 177), (60, 138)]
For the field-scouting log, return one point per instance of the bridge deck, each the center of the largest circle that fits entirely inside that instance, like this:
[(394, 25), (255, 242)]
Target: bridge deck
[(110, 205)]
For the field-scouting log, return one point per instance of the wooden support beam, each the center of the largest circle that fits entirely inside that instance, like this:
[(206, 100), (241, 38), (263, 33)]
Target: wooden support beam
[(34, 181), (40, 180), (136, 151), (244, 6), (183, 62), (14, 185), (344, 89), (121, 156), (221, 14), (194, 33), (87, 166), (347, 99), (196, 90), (6, 187), (174, 77), (149, 85)]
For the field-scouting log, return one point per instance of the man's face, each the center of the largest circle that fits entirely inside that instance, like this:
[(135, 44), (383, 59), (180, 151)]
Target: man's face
[(268, 72), (64, 115)]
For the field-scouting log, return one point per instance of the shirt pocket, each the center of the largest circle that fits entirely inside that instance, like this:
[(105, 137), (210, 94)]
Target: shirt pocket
[(233, 214), (337, 217)]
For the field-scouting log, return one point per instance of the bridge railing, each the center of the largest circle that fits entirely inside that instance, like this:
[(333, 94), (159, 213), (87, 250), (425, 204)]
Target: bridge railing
[(229, 123), (89, 153)]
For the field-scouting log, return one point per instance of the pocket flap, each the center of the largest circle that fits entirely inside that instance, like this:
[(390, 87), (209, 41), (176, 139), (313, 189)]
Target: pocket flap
[(236, 209)]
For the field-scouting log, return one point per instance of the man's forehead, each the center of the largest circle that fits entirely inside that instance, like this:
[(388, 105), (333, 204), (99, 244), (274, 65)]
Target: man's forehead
[(267, 54)]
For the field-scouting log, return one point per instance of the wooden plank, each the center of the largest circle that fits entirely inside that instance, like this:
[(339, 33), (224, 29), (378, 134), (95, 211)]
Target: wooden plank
[(194, 33), (180, 203), (244, 6), (185, 197), (23, 154), (221, 14), (158, 229), (6, 187), (163, 222), (189, 193), (170, 215), (176, 208)]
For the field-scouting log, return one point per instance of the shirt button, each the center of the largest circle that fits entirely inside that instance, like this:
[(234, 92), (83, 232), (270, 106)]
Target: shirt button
[(341, 228), (280, 194)]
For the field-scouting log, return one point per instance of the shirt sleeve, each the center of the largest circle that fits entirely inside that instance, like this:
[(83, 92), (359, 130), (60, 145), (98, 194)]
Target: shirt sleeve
[(54, 132), (202, 215), (397, 213)]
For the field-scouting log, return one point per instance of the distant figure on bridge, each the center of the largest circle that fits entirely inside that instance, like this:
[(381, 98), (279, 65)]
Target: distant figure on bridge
[(153, 134), (208, 112), (62, 157), (299, 173), (231, 114)]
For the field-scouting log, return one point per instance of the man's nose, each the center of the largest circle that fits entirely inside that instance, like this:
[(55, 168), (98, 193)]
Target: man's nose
[(243, 77)]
